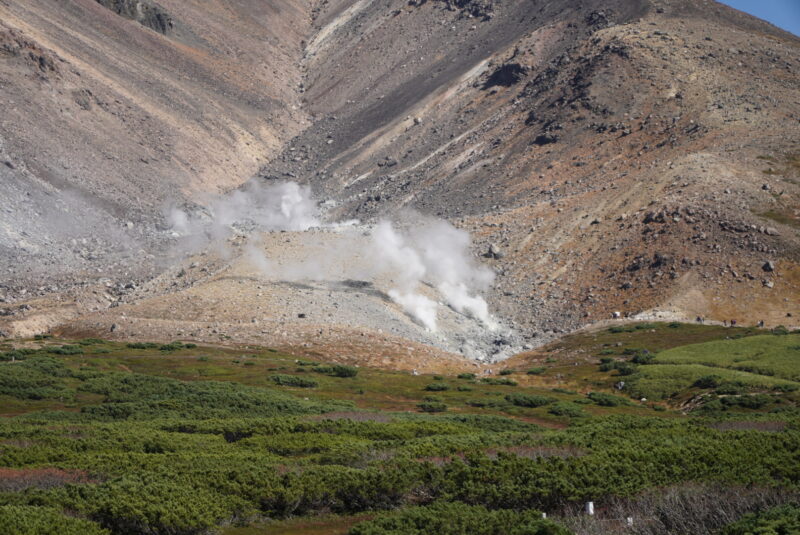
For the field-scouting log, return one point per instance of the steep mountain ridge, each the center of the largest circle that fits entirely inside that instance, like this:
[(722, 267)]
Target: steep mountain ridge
[(599, 145), (106, 120), (622, 158)]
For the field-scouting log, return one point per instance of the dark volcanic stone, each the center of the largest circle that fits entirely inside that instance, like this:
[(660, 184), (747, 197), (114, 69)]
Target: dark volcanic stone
[(144, 12)]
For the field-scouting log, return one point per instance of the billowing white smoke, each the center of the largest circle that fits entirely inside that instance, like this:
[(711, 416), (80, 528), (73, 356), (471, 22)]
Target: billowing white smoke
[(275, 206), (430, 252), (405, 263), (435, 252)]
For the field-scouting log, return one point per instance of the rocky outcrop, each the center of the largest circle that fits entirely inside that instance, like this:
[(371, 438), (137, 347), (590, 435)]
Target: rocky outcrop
[(14, 44), (144, 12)]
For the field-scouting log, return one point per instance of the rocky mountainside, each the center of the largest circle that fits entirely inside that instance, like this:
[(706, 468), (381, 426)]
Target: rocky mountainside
[(112, 109), (623, 156), (609, 158)]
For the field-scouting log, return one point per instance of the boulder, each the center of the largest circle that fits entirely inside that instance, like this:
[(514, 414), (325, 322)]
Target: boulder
[(494, 252)]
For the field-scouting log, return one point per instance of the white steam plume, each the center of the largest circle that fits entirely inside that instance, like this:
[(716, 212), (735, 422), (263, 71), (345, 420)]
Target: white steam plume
[(431, 252), (276, 206), (438, 253), (404, 261)]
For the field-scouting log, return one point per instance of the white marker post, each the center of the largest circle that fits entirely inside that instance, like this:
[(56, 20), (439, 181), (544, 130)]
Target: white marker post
[(590, 508)]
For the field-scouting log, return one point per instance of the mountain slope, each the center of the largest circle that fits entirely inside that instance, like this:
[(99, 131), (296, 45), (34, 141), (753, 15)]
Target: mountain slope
[(106, 120), (616, 152), (626, 157)]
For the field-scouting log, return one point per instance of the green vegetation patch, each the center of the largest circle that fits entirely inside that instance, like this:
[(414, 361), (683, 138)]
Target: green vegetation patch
[(783, 520), (28, 520), (34, 378), (662, 381), (568, 409), (528, 400), (770, 355), (458, 519), (293, 380), (161, 449)]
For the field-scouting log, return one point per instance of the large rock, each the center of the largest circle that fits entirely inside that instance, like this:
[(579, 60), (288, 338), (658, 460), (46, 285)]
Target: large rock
[(144, 12), (494, 252)]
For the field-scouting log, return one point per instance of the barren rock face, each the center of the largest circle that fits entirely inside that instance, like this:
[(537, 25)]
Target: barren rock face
[(632, 156), (146, 13)]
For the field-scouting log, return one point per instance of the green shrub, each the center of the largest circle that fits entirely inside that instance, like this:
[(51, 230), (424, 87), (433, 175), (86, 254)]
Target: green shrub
[(729, 389), (335, 370), (623, 368), (436, 387), (464, 388), (607, 400), (756, 401), (537, 371), (65, 350), (138, 505), (293, 380), (142, 345), (506, 372), (468, 376), (643, 357), (783, 520), (340, 370), (458, 519), (28, 520), (528, 400), (500, 404), (564, 391), (172, 346), (499, 382), (34, 378), (708, 381), (12, 356), (432, 406), (565, 408)]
